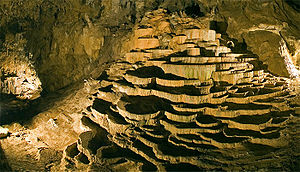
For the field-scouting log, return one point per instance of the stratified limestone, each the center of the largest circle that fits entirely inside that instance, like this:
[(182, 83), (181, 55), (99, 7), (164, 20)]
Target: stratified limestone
[(133, 57), (144, 32), (201, 34), (193, 51), (159, 53), (146, 43), (191, 101), (190, 71)]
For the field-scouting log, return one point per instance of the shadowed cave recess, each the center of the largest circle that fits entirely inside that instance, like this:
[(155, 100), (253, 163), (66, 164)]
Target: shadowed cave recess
[(149, 85)]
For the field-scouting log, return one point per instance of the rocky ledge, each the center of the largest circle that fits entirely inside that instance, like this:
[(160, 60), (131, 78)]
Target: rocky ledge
[(181, 99), (184, 96)]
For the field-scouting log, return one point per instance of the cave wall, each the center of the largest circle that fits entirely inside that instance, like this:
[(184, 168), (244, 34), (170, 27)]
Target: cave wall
[(261, 24), (69, 39), (66, 37)]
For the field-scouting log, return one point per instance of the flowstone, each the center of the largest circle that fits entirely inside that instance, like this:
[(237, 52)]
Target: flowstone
[(195, 104)]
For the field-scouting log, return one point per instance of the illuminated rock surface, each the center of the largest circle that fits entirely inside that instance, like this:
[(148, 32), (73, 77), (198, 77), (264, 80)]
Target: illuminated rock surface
[(181, 97), (192, 111), (18, 75)]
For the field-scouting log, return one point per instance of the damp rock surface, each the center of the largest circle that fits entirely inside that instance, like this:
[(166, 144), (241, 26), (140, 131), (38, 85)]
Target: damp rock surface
[(73, 39), (192, 85), (18, 74), (163, 109)]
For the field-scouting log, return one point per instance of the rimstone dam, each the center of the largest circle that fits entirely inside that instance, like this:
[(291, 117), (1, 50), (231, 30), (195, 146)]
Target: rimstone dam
[(181, 95)]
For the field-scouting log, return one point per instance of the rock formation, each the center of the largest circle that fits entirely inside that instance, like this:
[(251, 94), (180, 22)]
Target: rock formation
[(192, 105), (74, 38), (18, 75), (149, 85)]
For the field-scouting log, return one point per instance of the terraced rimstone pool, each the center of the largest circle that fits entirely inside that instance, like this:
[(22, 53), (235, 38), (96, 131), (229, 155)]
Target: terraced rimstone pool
[(190, 71), (172, 108)]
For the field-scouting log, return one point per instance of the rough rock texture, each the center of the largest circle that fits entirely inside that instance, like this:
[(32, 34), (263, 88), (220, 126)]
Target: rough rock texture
[(248, 20), (190, 87), (175, 116), (18, 75), (72, 38), (39, 142), (184, 101), (65, 38)]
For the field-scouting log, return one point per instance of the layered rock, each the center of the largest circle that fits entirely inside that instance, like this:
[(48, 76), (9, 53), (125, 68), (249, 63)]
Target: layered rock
[(193, 105)]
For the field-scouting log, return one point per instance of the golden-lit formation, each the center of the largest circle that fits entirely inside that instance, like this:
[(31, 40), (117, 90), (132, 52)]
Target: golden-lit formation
[(149, 85), (190, 104), (18, 75)]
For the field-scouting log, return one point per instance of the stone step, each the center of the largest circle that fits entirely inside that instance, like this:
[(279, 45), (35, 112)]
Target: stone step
[(206, 121), (156, 134), (189, 140), (173, 154), (193, 51), (208, 43), (179, 39), (107, 94), (232, 77), (218, 49), (218, 107), (134, 122), (246, 59), (221, 141), (235, 66), (233, 132), (187, 128), (190, 90), (194, 142), (220, 63), (254, 127), (139, 108), (146, 43), (149, 128), (139, 148), (183, 117), (136, 80), (280, 104), (112, 122), (276, 143), (159, 53), (191, 71), (185, 46), (203, 60), (242, 57), (155, 75), (178, 83), (234, 113), (253, 98), (224, 111), (224, 76), (133, 57), (137, 117), (200, 34), (179, 98), (187, 108), (244, 85), (144, 32)]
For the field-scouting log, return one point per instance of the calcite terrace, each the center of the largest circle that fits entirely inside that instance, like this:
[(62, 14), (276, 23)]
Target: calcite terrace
[(181, 99)]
